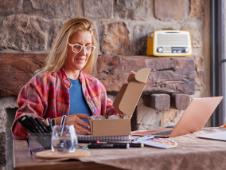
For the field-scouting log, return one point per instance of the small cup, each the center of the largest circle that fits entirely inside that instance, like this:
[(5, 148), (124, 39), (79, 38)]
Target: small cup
[(64, 139), (39, 141)]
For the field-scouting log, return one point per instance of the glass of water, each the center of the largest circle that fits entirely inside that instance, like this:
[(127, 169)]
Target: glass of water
[(64, 138)]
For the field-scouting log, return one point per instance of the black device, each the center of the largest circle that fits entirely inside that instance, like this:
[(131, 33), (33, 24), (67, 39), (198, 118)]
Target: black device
[(38, 131), (34, 124), (110, 145)]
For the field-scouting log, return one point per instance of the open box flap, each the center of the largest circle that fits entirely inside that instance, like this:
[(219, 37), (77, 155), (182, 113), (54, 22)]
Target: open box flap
[(140, 76), (130, 98), (129, 95)]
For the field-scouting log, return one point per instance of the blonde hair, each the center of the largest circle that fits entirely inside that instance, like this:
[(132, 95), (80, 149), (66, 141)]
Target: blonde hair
[(57, 55)]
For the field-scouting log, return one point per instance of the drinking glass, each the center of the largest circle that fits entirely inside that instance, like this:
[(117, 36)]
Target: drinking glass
[(64, 139)]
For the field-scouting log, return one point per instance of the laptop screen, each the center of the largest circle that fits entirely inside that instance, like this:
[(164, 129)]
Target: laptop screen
[(196, 115)]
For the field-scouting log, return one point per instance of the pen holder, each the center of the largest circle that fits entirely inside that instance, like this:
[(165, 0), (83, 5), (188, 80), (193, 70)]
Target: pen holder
[(39, 141)]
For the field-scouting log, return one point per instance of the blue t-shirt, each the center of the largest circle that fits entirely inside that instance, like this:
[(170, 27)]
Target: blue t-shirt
[(78, 103)]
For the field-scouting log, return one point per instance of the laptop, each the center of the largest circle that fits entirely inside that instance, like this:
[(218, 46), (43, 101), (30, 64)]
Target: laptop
[(193, 119)]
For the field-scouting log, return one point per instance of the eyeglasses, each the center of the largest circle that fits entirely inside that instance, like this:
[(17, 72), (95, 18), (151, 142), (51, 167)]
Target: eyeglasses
[(77, 48)]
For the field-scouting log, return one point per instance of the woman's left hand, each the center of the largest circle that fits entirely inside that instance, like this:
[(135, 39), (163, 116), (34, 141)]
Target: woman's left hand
[(79, 121)]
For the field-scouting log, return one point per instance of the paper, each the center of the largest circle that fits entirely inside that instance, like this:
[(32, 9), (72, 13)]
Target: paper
[(164, 143), (221, 135)]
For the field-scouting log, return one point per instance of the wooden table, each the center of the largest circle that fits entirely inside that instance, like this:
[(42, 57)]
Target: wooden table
[(191, 153), (23, 160)]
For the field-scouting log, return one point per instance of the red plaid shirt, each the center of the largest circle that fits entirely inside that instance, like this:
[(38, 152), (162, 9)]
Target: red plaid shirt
[(47, 95)]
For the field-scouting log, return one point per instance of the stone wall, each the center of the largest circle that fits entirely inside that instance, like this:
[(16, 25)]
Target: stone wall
[(169, 75), (5, 132), (122, 26), (28, 28)]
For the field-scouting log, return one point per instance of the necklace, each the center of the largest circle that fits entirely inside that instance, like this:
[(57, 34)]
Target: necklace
[(73, 75)]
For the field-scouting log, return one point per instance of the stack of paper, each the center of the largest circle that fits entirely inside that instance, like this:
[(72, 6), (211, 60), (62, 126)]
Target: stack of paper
[(164, 143), (219, 135)]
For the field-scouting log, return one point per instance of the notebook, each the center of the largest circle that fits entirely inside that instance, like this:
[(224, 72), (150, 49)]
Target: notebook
[(90, 138), (215, 136), (164, 143), (218, 133), (194, 117)]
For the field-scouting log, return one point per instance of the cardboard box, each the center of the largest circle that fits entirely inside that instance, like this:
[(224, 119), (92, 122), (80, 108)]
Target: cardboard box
[(125, 103)]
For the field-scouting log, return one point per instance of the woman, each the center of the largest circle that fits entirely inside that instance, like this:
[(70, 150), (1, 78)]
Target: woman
[(63, 87)]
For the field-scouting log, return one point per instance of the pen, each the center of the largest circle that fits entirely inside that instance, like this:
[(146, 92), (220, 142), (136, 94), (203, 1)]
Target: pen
[(136, 145), (108, 145), (49, 124), (62, 123), (115, 145)]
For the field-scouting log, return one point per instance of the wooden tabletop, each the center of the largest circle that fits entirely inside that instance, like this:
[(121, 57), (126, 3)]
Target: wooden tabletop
[(23, 160), (191, 153)]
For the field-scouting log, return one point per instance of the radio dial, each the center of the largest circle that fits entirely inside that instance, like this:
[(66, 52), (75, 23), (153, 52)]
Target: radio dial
[(160, 49), (186, 50)]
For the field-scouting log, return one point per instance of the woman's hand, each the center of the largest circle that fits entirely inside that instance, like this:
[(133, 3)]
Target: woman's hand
[(80, 122)]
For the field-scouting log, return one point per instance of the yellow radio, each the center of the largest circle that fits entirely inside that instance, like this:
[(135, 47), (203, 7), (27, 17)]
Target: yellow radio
[(169, 43)]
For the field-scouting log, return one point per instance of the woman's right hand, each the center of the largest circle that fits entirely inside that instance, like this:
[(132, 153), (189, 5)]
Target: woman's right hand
[(78, 120)]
